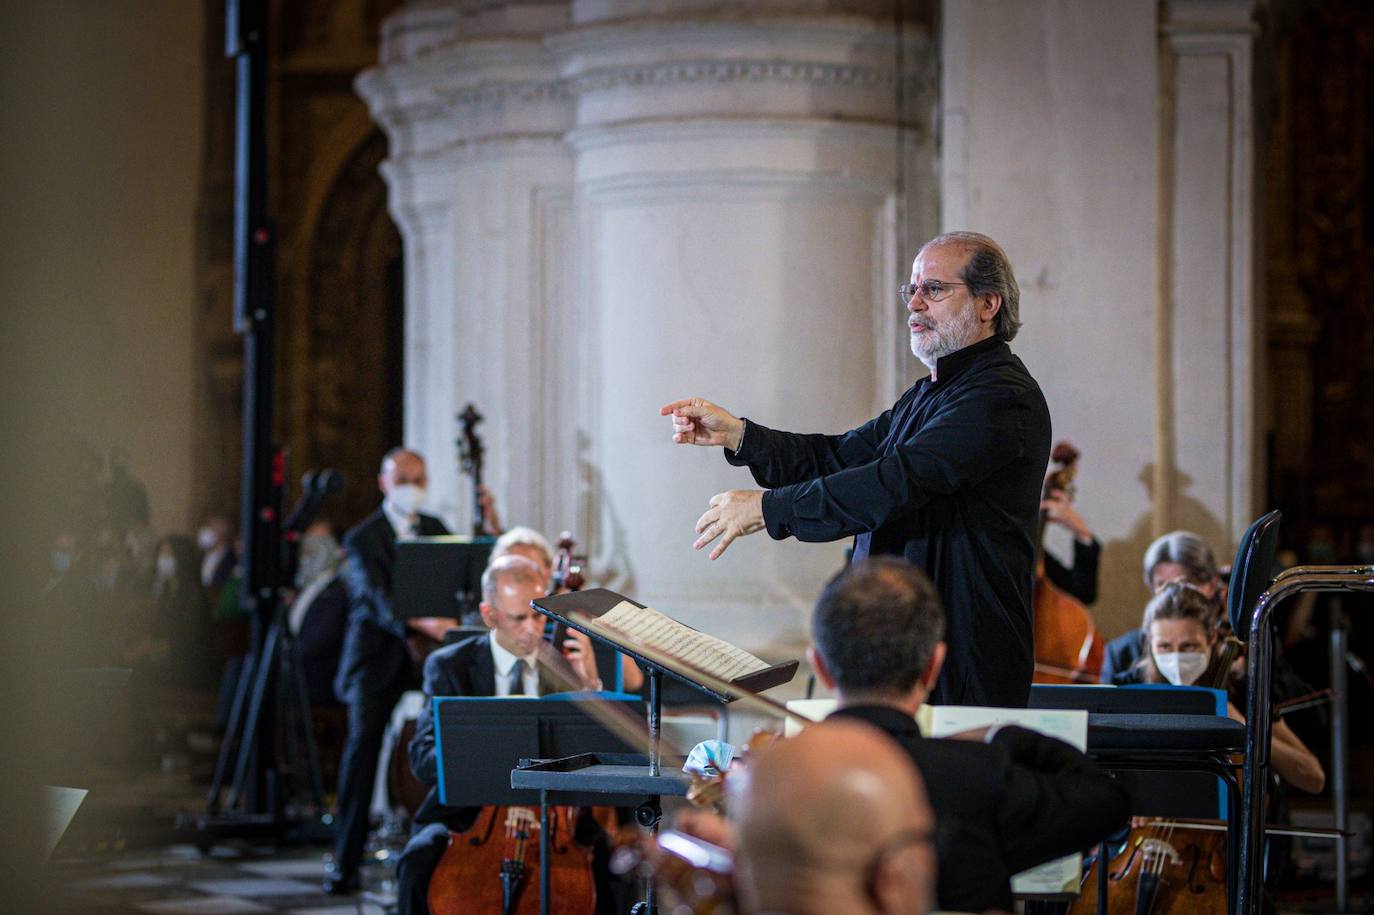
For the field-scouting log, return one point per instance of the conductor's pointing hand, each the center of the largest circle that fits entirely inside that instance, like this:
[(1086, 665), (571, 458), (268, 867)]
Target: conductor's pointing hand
[(700, 422), (732, 514)]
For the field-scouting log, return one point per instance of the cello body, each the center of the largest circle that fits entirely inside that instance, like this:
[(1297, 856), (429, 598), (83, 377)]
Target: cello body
[(1067, 646), (492, 868), (1165, 867)]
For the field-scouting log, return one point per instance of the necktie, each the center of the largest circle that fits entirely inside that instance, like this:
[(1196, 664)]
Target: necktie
[(517, 678)]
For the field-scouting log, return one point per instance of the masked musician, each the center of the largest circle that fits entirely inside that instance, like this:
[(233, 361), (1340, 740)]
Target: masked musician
[(375, 667), (1004, 800)]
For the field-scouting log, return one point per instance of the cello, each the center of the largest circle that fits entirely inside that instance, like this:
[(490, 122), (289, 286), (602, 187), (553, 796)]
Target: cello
[(1067, 646)]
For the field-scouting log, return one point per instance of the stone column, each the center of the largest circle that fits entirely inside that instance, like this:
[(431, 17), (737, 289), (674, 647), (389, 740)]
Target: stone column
[(1209, 377), (480, 181)]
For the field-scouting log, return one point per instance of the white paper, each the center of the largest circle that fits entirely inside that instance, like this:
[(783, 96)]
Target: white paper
[(680, 641)]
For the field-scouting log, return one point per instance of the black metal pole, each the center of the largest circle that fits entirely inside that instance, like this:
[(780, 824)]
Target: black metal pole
[(254, 318)]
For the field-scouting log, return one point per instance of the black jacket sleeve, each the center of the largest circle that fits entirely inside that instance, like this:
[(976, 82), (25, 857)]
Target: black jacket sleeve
[(1081, 579), (1054, 800), (778, 458), (367, 581), (439, 681), (976, 434)]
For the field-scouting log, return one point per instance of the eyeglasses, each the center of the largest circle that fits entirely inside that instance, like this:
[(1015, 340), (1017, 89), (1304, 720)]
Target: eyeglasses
[(929, 291)]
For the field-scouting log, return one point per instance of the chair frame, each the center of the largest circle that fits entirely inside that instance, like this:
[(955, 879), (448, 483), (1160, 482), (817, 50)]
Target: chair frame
[(1258, 708)]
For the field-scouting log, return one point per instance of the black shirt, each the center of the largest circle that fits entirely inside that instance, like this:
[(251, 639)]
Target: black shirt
[(1002, 807), (949, 478)]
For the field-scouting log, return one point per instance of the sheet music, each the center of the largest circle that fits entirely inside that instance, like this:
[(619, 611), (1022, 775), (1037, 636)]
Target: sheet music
[(707, 652)]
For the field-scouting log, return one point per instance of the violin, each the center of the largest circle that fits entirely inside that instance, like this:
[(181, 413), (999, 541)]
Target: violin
[(690, 874), (1067, 646), (567, 568), (1166, 866)]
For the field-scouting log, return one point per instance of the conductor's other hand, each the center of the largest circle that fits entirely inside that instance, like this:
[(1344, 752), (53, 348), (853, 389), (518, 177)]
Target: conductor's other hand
[(700, 422), (732, 514)]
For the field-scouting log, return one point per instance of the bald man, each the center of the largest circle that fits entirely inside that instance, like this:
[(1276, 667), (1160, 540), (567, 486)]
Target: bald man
[(834, 820), (376, 665)]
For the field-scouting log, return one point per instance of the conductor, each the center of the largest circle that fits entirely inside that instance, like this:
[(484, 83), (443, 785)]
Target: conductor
[(949, 477)]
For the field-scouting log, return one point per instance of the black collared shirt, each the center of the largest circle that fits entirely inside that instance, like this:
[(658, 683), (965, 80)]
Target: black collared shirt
[(950, 478)]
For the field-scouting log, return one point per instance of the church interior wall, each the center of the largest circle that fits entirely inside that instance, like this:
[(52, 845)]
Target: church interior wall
[(103, 138)]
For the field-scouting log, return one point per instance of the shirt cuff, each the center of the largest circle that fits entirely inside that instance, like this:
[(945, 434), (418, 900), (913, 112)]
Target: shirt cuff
[(778, 517), (740, 457)]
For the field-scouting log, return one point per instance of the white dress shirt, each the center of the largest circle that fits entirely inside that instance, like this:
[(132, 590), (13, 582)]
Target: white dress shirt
[(505, 662)]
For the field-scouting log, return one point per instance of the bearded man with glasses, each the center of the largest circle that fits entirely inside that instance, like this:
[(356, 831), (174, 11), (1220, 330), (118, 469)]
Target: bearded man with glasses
[(948, 478)]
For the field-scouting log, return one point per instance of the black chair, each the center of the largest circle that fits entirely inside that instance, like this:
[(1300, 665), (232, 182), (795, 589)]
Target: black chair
[(1252, 603), (1147, 738)]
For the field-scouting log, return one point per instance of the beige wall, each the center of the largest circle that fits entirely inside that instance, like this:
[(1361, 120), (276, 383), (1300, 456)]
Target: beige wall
[(98, 171), (101, 162)]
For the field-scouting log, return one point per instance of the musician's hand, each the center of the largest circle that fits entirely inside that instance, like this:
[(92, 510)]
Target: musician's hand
[(577, 648), (436, 627), (700, 422), (491, 518), (732, 514), (976, 735), (706, 826), (1060, 510)]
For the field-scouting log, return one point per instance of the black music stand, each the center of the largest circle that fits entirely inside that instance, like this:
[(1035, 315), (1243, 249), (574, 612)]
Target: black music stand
[(440, 576), (594, 774), (511, 732)]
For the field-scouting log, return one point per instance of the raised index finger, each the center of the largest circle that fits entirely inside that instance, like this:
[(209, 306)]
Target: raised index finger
[(692, 405)]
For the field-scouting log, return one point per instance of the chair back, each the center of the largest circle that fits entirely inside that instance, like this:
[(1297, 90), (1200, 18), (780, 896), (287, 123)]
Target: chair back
[(1253, 570)]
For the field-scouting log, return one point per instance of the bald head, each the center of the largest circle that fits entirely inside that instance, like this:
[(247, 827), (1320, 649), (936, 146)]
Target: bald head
[(834, 820)]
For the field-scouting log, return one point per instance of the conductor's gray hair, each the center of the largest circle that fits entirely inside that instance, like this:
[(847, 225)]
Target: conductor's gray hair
[(1188, 550), (988, 271)]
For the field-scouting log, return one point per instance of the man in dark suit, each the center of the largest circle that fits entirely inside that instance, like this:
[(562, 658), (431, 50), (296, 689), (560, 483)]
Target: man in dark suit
[(511, 660), (1006, 798), (375, 667)]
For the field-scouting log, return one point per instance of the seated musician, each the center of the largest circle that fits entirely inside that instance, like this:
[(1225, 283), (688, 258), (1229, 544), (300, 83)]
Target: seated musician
[(527, 542), (834, 820), (1176, 556), (1182, 645), (512, 659), (1006, 799)]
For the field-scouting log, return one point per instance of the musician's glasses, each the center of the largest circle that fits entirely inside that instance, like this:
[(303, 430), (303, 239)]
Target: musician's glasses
[(928, 290)]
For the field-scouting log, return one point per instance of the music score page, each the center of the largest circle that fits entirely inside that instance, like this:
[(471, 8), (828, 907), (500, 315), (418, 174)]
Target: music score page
[(682, 642)]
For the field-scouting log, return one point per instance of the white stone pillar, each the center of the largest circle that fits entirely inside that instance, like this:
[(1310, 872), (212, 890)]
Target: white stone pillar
[(479, 174), (737, 190), (1209, 380)]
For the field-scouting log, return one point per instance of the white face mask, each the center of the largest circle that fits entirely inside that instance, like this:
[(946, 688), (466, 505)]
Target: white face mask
[(406, 499), (1181, 668), (166, 566), (205, 539)]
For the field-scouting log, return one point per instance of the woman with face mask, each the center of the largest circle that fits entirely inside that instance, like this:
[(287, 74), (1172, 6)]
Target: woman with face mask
[(1181, 647)]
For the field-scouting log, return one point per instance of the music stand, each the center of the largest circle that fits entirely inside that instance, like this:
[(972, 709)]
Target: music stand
[(596, 602), (594, 774), (440, 576)]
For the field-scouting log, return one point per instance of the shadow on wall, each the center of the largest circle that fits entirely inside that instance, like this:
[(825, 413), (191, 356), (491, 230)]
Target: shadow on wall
[(1121, 591), (609, 561)]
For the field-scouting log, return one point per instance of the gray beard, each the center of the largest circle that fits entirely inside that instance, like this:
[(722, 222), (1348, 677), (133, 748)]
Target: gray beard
[(949, 336)]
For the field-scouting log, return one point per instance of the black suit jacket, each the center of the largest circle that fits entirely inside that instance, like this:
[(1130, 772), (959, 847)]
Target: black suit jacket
[(462, 669), (1004, 806), (375, 658)]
